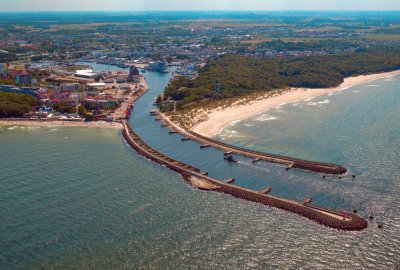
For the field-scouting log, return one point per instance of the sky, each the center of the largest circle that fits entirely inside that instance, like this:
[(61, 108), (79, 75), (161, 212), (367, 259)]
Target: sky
[(140, 5)]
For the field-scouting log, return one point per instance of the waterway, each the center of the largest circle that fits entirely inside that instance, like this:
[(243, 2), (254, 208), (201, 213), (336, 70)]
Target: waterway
[(81, 198)]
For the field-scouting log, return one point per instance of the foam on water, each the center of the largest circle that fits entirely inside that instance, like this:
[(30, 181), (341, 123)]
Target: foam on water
[(326, 101), (266, 117)]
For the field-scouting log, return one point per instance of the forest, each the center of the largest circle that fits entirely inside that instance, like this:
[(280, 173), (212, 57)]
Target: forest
[(15, 105), (240, 75)]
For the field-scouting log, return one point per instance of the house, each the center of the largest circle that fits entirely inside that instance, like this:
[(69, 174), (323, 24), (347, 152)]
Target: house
[(23, 78)]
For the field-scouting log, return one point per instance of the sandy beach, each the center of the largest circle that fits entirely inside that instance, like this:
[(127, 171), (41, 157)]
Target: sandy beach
[(221, 117), (94, 124)]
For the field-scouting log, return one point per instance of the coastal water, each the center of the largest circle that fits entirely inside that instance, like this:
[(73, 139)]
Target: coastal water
[(81, 198)]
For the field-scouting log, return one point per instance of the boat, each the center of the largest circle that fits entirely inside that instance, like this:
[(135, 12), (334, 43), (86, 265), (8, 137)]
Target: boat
[(230, 158)]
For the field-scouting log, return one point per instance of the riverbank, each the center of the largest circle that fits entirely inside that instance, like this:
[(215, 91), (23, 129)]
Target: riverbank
[(93, 124), (214, 120)]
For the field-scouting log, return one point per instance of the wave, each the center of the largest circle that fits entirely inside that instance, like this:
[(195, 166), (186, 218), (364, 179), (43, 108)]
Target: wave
[(326, 101), (234, 123), (229, 133), (13, 127), (266, 117), (280, 105)]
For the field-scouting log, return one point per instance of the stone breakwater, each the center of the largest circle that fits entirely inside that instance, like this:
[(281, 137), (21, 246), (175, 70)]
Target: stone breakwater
[(326, 168), (331, 218)]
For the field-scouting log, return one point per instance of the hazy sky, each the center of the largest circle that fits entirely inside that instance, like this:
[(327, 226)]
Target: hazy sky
[(132, 5)]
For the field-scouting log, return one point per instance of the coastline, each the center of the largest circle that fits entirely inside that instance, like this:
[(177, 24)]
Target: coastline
[(94, 124), (218, 118)]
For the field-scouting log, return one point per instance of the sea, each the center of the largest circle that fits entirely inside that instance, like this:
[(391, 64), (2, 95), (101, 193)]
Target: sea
[(81, 198)]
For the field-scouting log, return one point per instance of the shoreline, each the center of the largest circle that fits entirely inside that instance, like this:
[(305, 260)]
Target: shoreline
[(38, 123), (219, 118)]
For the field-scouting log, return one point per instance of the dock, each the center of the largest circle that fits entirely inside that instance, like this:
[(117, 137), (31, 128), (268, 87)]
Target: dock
[(230, 180), (266, 190), (289, 162)]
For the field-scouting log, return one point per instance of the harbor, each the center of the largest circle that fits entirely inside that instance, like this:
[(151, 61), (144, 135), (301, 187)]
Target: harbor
[(342, 220), (127, 193), (331, 218)]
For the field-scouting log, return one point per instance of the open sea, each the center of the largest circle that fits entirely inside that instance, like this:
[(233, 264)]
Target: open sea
[(81, 198)]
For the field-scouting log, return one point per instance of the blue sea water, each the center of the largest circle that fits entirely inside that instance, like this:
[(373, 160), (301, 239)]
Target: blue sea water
[(81, 198)]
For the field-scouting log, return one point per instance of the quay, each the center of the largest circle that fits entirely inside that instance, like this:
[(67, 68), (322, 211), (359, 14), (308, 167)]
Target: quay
[(336, 219), (289, 162), (126, 106)]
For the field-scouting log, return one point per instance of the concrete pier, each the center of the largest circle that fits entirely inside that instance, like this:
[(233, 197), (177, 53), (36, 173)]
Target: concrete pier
[(204, 145), (266, 190), (320, 167), (230, 180), (331, 218)]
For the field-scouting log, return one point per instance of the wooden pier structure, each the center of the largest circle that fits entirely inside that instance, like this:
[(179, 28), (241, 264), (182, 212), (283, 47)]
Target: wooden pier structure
[(289, 162)]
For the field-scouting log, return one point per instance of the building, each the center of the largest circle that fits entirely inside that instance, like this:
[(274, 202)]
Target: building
[(157, 66), (136, 78), (97, 85), (4, 71), (23, 90), (68, 87), (120, 80), (133, 72), (23, 78), (86, 74)]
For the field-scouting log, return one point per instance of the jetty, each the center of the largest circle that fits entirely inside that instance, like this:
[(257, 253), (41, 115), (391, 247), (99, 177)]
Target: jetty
[(331, 218), (289, 162)]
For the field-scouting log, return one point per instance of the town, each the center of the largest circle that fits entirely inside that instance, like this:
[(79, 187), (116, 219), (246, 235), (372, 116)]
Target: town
[(53, 61)]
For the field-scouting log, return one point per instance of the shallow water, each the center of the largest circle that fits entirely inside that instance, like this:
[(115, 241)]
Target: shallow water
[(81, 198)]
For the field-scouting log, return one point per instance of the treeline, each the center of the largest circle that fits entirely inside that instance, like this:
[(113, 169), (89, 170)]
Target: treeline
[(327, 45), (15, 105), (240, 75)]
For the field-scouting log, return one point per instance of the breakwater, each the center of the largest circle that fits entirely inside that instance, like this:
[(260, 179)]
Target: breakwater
[(290, 162), (331, 218)]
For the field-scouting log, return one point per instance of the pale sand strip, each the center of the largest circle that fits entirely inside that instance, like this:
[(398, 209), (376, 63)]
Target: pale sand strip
[(221, 117), (93, 124)]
